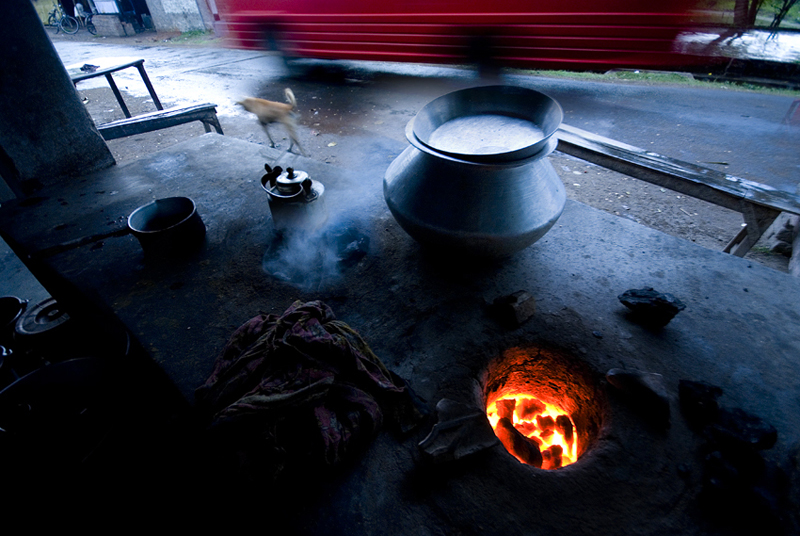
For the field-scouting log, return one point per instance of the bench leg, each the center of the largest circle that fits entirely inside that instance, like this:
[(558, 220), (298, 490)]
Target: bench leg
[(149, 86), (212, 121), (118, 95), (757, 220)]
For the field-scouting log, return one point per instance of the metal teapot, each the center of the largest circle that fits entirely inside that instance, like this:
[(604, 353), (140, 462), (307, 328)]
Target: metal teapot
[(295, 200)]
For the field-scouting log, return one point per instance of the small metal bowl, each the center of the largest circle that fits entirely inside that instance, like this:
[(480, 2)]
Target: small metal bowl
[(488, 124), (168, 226)]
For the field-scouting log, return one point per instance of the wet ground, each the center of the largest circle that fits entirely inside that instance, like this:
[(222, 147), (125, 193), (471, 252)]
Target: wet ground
[(739, 132), (343, 105), (428, 319), (430, 324), (782, 47)]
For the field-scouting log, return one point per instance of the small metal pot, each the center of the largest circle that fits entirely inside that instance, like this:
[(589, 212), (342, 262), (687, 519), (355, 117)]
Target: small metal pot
[(168, 226)]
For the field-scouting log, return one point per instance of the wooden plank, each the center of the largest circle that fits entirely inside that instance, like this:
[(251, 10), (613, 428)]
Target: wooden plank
[(79, 76), (758, 203), (693, 180), (206, 113)]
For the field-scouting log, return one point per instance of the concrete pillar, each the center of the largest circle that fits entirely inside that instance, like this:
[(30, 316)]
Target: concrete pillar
[(179, 15), (46, 134)]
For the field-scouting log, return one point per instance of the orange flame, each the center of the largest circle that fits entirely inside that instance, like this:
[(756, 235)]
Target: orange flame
[(534, 424)]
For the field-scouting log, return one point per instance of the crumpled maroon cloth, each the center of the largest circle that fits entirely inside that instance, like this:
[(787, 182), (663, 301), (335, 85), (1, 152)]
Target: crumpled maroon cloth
[(305, 384)]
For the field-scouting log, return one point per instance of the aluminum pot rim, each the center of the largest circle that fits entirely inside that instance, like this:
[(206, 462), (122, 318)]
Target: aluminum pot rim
[(547, 147), (478, 95), (135, 228)]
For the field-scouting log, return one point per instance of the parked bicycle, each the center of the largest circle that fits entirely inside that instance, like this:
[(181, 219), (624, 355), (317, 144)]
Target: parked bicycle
[(84, 18), (61, 21), (90, 25)]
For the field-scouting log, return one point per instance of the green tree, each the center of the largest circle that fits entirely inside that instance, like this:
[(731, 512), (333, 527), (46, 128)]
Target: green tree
[(782, 8), (745, 11)]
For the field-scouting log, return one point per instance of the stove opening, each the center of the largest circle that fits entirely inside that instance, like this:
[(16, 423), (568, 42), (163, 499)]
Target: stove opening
[(544, 406)]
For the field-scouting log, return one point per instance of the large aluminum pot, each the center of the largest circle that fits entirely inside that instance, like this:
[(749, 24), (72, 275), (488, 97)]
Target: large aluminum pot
[(484, 208)]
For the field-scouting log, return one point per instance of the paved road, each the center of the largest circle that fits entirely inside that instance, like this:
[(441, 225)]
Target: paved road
[(344, 103)]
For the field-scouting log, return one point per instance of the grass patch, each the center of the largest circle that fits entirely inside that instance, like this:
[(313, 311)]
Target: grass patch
[(194, 37), (763, 250), (660, 77), (653, 77)]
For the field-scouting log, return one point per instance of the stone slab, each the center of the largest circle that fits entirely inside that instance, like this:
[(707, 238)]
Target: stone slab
[(428, 319)]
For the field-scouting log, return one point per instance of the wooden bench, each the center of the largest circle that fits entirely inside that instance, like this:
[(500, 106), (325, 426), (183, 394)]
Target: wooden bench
[(205, 113), (759, 204)]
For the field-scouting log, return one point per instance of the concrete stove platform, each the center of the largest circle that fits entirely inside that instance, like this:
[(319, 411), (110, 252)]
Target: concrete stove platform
[(427, 319)]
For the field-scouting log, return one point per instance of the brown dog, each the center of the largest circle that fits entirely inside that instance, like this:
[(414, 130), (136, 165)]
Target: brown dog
[(275, 112)]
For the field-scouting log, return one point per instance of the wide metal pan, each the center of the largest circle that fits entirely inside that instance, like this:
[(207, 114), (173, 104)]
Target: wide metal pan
[(488, 124)]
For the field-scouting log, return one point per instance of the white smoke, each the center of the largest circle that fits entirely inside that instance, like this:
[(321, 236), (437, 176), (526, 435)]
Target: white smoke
[(312, 260)]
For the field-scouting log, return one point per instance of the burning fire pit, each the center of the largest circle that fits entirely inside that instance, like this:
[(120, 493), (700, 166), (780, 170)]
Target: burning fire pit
[(534, 432), (543, 406)]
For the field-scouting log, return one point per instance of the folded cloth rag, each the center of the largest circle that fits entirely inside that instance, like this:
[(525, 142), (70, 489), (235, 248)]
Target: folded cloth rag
[(306, 385)]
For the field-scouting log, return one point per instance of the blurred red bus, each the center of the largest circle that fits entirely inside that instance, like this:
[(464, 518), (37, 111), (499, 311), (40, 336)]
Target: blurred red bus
[(544, 34)]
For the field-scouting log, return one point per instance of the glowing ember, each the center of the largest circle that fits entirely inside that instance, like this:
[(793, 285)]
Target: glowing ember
[(535, 432)]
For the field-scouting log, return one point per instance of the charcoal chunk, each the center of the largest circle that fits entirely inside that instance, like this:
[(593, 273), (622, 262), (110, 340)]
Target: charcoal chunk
[(650, 307), (734, 468), (732, 492), (737, 428), (461, 431), (514, 309), (564, 427), (517, 444), (351, 245), (546, 424), (698, 402), (505, 408), (528, 408), (526, 428), (644, 390), (556, 453), (552, 457)]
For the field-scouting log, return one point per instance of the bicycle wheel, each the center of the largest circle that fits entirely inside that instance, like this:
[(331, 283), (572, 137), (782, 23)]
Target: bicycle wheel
[(90, 27), (52, 22), (69, 24)]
